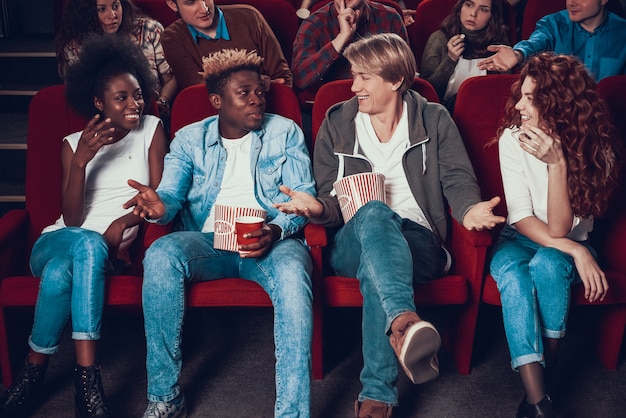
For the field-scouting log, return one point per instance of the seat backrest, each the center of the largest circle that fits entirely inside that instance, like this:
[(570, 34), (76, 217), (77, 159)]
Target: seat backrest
[(478, 113), (613, 90), (192, 104), (280, 16), (158, 10), (340, 90), (428, 17), (535, 10), (50, 119)]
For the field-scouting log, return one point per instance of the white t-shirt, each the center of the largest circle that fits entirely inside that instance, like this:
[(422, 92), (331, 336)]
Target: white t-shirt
[(106, 176), (237, 187), (387, 159), (525, 181)]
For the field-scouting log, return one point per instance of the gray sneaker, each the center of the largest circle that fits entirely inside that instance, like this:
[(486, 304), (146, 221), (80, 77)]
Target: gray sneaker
[(173, 409)]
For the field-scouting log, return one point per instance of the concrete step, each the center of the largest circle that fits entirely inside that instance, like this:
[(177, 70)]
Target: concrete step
[(12, 175), (28, 63), (14, 130)]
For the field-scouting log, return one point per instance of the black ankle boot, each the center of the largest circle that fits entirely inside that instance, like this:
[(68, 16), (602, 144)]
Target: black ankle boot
[(25, 391), (541, 409), (89, 400)]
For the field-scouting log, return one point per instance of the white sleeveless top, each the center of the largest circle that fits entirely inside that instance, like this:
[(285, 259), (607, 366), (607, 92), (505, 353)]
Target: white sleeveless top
[(106, 176)]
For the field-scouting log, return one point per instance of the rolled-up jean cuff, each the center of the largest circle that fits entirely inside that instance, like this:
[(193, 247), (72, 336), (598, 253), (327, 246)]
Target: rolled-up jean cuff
[(548, 333), (526, 359), (85, 336), (42, 350), (166, 398)]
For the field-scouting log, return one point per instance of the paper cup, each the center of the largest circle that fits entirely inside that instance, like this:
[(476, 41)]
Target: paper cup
[(224, 225), (356, 190), (245, 224)]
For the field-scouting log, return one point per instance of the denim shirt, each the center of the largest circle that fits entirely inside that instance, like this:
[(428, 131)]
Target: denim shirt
[(603, 52), (194, 169)]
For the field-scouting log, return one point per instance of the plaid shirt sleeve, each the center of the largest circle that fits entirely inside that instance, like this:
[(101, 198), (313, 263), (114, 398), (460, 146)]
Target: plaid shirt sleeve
[(313, 53)]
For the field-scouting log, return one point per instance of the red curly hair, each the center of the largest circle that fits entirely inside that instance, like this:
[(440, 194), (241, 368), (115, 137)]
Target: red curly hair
[(569, 107)]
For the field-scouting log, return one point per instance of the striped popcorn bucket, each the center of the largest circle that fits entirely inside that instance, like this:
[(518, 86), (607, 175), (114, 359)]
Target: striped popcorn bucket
[(356, 190), (224, 226)]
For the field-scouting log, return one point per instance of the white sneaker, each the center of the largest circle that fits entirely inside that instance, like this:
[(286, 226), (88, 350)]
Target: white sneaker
[(418, 355)]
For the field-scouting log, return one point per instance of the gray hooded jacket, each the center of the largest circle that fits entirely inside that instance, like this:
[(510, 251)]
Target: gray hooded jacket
[(436, 164)]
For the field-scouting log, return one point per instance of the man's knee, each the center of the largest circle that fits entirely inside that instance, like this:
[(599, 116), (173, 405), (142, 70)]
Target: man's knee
[(374, 210), (162, 253)]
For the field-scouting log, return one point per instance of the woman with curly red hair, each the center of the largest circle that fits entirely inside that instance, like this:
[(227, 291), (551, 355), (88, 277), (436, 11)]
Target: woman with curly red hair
[(556, 149)]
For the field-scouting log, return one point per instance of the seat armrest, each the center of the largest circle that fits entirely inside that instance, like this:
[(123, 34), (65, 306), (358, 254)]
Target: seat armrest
[(459, 235), (315, 235), (469, 251), (13, 236), (12, 224), (153, 232), (614, 249)]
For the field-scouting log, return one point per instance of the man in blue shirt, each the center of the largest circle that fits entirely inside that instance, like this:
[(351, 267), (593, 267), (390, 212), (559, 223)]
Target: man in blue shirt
[(586, 30), (238, 158)]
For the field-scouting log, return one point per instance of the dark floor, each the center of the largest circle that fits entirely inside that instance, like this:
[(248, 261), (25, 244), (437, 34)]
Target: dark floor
[(228, 369)]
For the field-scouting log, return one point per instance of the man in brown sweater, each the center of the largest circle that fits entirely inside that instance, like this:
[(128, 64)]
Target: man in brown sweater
[(205, 28)]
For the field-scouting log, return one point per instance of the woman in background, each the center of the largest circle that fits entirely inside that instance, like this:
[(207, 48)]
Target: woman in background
[(85, 17), (464, 36), (557, 177)]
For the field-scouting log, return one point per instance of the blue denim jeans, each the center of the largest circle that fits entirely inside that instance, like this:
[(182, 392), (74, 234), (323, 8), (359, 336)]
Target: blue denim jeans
[(59, 257), (188, 256), (388, 255), (534, 284)]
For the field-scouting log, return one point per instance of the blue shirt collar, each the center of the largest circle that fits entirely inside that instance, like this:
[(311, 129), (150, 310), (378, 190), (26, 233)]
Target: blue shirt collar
[(220, 33)]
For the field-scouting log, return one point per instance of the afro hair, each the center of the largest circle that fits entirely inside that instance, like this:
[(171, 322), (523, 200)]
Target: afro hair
[(101, 58), (218, 66)]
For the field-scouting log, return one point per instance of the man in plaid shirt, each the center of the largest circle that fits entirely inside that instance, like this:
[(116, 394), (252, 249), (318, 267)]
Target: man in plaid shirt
[(321, 39)]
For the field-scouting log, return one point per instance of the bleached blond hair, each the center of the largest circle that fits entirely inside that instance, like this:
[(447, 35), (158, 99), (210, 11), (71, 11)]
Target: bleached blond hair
[(218, 66)]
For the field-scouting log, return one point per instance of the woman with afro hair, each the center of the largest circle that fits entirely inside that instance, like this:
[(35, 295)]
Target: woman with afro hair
[(558, 159), (110, 85)]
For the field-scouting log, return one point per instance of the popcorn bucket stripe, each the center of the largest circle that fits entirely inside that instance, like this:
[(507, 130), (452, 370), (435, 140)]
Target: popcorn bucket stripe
[(356, 190)]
